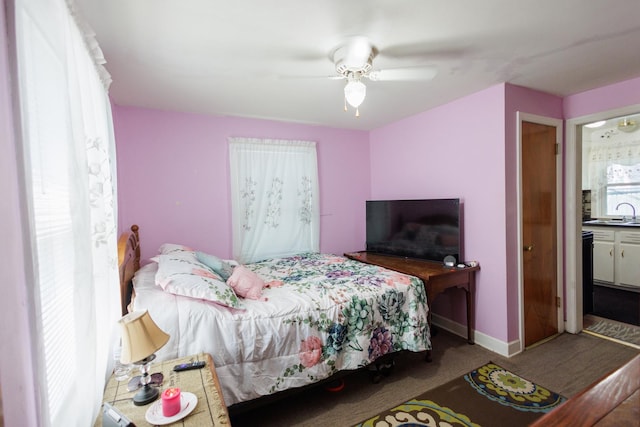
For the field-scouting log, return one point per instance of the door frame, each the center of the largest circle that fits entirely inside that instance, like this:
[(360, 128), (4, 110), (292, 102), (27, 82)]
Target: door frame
[(557, 123), (573, 211)]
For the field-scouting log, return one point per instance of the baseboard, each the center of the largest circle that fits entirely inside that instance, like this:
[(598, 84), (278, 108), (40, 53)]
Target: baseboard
[(506, 349)]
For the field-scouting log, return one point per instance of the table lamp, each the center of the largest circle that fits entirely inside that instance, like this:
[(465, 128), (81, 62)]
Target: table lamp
[(141, 338)]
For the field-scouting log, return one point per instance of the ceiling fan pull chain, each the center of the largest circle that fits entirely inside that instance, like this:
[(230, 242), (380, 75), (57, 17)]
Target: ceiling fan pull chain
[(345, 103), (357, 112)]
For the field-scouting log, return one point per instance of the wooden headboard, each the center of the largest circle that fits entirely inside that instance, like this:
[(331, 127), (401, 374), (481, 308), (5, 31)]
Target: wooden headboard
[(128, 264)]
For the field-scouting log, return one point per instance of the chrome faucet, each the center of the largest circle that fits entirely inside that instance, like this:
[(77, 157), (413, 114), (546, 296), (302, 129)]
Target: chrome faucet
[(633, 218)]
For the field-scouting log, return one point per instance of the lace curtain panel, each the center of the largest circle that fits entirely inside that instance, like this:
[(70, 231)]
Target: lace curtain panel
[(69, 169), (274, 198), (612, 158)]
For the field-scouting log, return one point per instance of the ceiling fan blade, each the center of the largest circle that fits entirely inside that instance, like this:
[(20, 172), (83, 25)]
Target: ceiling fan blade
[(404, 74), (424, 50), (309, 77)]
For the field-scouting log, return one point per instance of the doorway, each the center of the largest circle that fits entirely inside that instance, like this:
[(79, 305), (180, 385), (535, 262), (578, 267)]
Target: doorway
[(539, 142), (573, 212), (539, 171), (611, 191)]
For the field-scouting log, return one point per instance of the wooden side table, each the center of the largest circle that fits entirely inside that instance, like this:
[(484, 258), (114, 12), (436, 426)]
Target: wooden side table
[(210, 409)]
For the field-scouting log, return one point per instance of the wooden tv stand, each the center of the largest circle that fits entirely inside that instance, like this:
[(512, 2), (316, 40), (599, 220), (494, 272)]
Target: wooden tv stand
[(436, 278)]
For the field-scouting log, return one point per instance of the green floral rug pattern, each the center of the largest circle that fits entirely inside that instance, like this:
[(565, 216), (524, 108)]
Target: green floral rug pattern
[(487, 396)]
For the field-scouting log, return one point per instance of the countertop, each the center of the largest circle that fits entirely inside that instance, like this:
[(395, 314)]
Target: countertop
[(613, 223)]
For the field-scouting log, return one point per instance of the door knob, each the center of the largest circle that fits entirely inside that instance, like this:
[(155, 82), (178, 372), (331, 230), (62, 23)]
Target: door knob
[(528, 248)]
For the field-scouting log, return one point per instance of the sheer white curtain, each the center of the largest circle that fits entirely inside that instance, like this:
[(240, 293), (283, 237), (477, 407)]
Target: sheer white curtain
[(610, 152), (274, 198), (69, 164)]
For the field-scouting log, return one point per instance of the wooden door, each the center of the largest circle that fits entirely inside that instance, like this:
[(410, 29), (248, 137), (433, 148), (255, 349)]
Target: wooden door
[(539, 231)]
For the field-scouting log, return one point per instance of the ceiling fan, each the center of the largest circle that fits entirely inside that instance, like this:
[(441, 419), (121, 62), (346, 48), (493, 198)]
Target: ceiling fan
[(353, 60)]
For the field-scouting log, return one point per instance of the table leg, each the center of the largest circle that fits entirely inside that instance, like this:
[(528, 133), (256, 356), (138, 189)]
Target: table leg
[(470, 323)]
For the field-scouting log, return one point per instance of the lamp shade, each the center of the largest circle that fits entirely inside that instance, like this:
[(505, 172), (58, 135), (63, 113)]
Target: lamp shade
[(141, 337)]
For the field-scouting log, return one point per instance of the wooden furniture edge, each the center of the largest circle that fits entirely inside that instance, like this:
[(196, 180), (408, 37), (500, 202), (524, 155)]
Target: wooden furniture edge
[(596, 401), (222, 411), (216, 380), (128, 264)]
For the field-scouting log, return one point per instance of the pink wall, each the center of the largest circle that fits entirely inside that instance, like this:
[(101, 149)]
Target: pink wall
[(467, 149), (16, 364), (173, 174), (455, 150), (605, 98)]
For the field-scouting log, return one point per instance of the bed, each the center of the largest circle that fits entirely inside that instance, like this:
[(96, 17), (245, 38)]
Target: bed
[(316, 315)]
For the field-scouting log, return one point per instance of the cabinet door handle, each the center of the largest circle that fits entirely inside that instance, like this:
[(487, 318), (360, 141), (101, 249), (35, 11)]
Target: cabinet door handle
[(528, 248), (622, 253), (610, 252)]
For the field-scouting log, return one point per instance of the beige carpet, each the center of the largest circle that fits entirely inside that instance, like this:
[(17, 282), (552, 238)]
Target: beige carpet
[(566, 364)]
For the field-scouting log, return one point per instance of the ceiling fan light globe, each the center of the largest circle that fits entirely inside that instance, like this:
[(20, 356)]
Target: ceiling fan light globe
[(354, 93)]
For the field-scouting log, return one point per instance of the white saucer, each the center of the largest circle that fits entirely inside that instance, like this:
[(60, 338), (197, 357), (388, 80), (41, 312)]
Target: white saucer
[(154, 415)]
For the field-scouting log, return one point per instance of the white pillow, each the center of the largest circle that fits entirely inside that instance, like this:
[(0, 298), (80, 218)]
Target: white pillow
[(171, 248), (182, 274)]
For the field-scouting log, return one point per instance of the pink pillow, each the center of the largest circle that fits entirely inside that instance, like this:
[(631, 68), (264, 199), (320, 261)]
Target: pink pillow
[(246, 283)]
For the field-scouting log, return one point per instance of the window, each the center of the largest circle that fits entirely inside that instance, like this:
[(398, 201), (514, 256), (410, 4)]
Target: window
[(612, 170), (623, 186), (274, 198), (68, 146)]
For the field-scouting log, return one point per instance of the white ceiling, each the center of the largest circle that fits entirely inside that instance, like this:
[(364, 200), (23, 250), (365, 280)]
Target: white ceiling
[(270, 58)]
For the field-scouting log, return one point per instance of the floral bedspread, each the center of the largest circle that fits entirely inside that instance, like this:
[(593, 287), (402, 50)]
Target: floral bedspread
[(353, 313), (320, 314)]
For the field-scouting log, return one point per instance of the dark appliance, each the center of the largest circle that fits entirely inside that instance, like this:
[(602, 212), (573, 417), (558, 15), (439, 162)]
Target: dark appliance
[(586, 205), (428, 229), (587, 272)]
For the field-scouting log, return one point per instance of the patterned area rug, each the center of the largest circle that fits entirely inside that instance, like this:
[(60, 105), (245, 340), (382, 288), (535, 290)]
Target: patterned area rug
[(487, 396), (621, 332)]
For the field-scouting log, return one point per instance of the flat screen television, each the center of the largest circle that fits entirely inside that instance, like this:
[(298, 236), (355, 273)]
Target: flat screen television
[(427, 229)]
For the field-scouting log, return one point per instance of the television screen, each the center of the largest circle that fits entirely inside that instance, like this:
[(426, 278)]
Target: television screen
[(427, 229)]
